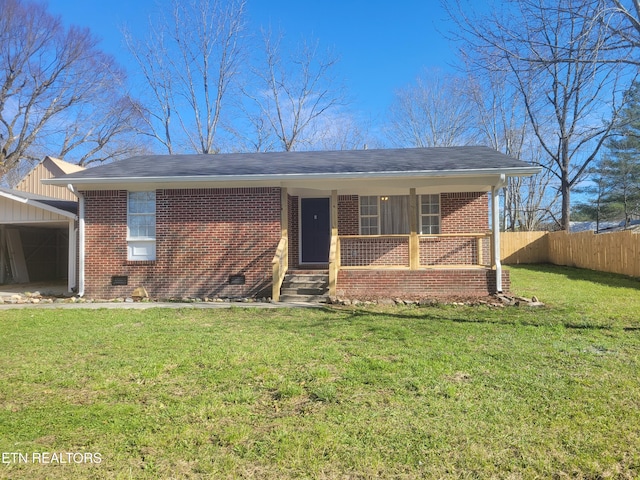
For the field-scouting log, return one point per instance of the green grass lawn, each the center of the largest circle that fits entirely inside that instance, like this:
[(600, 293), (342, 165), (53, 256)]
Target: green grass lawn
[(433, 392)]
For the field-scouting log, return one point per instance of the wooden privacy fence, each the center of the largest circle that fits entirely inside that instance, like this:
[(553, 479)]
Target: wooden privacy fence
[(617, 252), (524, 247)]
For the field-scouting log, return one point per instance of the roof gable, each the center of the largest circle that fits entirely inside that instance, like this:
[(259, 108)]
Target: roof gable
[(48, 168)]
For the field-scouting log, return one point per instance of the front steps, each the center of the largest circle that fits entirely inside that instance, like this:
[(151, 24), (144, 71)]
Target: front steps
[(307, 286)]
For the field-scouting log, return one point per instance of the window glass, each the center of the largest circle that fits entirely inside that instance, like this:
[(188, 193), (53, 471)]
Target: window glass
[(394, 215), (430, 214), (369, 215), (142, 214), (389, 214), (142, 202)]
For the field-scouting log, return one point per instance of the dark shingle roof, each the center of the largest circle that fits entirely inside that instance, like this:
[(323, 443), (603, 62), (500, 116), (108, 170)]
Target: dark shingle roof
[(305, 163)]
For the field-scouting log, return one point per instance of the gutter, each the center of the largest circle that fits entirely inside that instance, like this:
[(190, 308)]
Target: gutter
[(81, 250)]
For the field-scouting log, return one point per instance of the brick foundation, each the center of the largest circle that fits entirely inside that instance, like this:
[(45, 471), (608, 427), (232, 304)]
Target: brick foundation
[(416, 284)]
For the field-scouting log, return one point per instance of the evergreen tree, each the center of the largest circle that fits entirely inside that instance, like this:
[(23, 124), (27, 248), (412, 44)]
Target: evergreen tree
[(620, 168)]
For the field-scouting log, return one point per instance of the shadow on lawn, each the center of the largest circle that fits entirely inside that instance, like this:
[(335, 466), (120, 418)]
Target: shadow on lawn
[(518, 317), (582, 274)]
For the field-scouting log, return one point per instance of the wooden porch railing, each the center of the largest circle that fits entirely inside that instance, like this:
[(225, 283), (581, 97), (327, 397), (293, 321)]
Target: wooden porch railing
[(280, 264)]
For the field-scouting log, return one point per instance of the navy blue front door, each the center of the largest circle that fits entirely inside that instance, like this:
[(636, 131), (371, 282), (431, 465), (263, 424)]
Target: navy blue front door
[(315, 229)]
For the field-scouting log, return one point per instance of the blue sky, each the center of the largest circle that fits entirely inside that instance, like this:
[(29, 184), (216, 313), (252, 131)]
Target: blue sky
[(382, 45)]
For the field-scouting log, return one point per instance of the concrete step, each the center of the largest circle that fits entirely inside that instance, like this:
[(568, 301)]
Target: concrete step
[(308, 271), (306, 278), (320, 284), (302, 291), (305, 287), (304, 298)]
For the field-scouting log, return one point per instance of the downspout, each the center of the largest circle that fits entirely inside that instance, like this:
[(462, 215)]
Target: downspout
[(3, 257), (495, 221), (80, 239)]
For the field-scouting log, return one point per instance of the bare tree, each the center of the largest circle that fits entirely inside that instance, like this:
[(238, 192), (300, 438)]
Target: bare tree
[(433, 112), (102, 131), (621, 18), (52, 78), (157, 110), (189, 62), (552, 51), (504, 125), (296, 98)]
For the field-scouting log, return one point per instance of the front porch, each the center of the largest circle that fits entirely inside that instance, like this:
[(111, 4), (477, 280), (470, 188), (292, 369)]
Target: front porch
[(458, 260)]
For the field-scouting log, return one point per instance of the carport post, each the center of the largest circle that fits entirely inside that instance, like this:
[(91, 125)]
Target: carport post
[(81, 244), (3, 256), (71, 275), (80, 282)]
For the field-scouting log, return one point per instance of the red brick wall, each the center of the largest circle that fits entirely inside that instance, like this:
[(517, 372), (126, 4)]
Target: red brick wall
[(464, 212), (205, 235), (105, 237), (348, 215), (453, 251), (416, 284), (361, 252), (460, 213), (448, 251), (202, 237)]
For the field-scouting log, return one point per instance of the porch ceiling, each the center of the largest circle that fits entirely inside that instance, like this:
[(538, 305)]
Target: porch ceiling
[(360, 185), (393, 186)]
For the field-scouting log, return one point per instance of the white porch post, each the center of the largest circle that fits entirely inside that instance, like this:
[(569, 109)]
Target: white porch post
[(71, 273), (495, 222), (81, 250), (3, 257)]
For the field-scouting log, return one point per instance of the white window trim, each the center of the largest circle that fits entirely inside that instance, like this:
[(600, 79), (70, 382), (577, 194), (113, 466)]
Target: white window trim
[(439, 215), (360, 216), (140, 241), (419, 206)]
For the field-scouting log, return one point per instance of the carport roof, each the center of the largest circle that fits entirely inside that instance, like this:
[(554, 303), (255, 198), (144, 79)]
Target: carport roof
[(40, 200)]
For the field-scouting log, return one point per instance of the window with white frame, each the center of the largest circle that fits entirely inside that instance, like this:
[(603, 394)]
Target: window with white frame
[(389, 214), (430, 214), (141, 225), (369, 215)]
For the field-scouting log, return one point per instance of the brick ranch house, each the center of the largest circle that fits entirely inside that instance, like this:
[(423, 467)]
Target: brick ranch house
[(404, 223)]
